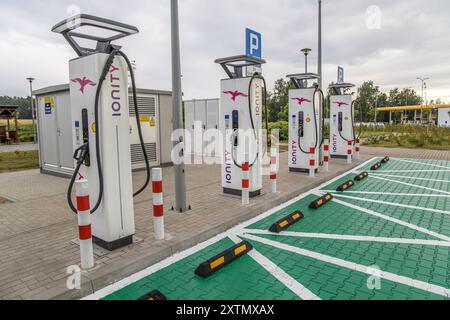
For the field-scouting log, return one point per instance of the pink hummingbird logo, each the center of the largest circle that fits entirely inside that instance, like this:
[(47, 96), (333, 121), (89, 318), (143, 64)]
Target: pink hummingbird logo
[(340, 104), (235, 94), (301, 100), (83, 83)]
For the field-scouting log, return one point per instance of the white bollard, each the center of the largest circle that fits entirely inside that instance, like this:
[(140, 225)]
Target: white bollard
[(312, 162), (349, 152), (246, 181), (358, 149), (84, 224), (273, 169), (326, 157), (158, 204)]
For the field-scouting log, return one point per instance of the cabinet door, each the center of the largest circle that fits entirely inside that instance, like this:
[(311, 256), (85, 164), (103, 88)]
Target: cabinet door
[(64, 131), (48, 132)]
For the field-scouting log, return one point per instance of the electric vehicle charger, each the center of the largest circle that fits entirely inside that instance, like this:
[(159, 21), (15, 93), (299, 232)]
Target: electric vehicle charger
[(243, 104), (83, 152), (255, 76), (107, 166), (342, 120), (306, 122)]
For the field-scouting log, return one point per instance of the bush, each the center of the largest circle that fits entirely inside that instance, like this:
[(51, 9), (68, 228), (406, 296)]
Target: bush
[(283, 126)]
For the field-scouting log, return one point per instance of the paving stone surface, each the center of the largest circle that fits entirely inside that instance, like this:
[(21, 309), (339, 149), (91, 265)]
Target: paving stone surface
[(36, 229)]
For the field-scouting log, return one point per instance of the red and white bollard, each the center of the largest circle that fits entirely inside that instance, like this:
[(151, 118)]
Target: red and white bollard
[(312, 162), (358, 148), (158, 203), (273, 169), (349, 152), (246, 181), (326, 155), (84, 224)]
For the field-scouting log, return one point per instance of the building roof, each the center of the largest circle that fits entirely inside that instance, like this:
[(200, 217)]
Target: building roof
[(8, 111), (66, 87)]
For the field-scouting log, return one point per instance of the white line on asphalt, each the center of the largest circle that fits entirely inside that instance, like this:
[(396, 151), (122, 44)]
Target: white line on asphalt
[(397, 221), (407, 177), (153, 269), (354, 266), (411, 185), (421, 163), (301, 291), (392, 194), (340, 195), (349, 238)]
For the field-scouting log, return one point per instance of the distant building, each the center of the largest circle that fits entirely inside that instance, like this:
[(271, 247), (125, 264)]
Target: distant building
[(444, 117)]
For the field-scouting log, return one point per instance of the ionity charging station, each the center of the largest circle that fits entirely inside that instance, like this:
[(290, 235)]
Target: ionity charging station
[(101, 129), (342, 127), (241, 122), (305, 120)]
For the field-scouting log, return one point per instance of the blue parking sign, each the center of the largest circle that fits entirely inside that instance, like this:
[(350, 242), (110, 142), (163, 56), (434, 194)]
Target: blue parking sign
[(253, 43)]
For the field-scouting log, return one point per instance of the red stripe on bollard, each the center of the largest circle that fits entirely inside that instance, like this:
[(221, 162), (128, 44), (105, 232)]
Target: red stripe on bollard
[(349, 152), (273, 176), (312, 163), (326, 159), (83, 203), (349, 143), (85, 232), (245, 184), (157, 186), (357, 149), (326, 148), (312, 150), (158, 211), (245, 166)]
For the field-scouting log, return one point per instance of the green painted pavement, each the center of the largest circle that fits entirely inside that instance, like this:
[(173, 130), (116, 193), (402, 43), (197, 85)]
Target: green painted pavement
[(338, 219), (243, 279), (331, 282), (430, 264)]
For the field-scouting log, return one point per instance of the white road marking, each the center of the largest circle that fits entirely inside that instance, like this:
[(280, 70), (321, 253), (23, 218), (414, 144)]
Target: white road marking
[(349, 238), (411, 185), (354, 266), (391, 194), (340, 195), (407, 177), (289, 282), (421, 163), (153, 269), (397, 221)]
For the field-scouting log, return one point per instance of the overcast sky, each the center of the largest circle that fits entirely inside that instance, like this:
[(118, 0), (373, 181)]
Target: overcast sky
[(409, 38)]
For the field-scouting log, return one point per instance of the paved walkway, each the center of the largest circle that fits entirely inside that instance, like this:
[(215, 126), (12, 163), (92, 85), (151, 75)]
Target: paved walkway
[(37, 228), (18, 147)]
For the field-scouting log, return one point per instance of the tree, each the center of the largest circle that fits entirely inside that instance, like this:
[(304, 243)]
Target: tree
[(369, 97), (278, 100)]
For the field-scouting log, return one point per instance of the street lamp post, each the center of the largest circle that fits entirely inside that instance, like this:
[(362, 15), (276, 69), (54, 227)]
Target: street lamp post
[(179, 166), (30, 80), (319, 64), (423, 87)]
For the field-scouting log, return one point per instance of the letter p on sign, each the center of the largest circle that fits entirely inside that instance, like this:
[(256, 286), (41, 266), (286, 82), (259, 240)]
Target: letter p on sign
[(253, 43)]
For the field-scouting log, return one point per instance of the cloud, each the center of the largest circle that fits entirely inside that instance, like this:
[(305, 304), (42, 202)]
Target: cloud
[(413, 41)]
